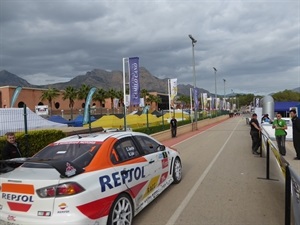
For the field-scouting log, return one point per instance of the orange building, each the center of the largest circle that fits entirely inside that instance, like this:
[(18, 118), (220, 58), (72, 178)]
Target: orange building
[(32, 98)]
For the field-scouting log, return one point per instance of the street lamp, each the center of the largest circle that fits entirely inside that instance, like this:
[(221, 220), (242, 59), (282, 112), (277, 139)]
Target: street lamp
[(215, 87), (194, 73)]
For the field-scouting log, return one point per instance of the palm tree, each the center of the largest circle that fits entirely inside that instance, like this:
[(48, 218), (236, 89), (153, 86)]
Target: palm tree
[(150, 99), (144, 94), (120, 96), (100, 95), (184, 99), (50, 95), (83, 92), (71, 94), (111, 93)]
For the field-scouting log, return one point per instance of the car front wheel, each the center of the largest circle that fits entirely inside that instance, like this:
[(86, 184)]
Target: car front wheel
[(121, 212), (177, 171)]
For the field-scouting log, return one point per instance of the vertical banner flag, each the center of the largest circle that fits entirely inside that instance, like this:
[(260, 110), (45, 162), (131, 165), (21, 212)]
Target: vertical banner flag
[(134, 81), (196, 98), (87, 103), (15, 96), (295, 186), (116, 102), (204, 100), (173, 88)]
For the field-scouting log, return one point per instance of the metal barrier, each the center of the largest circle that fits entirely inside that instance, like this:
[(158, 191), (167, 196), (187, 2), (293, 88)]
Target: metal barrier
[(268, 145)]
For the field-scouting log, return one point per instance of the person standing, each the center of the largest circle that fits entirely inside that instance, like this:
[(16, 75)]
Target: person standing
[(173, 126), (280, 126), (255, 133), (11, 149), (296, 132)]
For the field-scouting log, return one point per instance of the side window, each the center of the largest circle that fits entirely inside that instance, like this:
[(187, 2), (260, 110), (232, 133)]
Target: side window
[(124, 150), (148, 145)]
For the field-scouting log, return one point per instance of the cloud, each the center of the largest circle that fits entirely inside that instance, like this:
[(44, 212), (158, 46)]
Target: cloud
[(253, 44)]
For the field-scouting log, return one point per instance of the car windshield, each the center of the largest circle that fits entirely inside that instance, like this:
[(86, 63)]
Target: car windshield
[(79, 153)]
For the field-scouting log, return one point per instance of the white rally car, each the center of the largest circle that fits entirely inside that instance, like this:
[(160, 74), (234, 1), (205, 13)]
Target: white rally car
[(103, 178)]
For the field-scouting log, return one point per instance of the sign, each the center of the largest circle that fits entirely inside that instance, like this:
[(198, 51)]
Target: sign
[(41, 110)]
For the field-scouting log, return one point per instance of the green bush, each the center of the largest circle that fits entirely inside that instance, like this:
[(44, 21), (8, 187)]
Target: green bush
[(34, 140)]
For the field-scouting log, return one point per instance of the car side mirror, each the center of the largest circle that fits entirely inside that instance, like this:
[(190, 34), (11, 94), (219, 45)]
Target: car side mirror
[(161, 148)]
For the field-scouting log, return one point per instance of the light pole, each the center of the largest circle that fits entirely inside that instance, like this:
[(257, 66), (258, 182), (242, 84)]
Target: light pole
[(194, 73), (224, 100), (215, 88)]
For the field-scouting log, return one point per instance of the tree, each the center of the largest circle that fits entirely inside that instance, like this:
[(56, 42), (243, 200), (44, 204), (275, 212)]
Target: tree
[(83, 92), (71, 94), (50, 95), (111, 93), (157, 100), (120, 96), (150, 99), (184, 99), (100, 95), (286, 95), (144, 94)]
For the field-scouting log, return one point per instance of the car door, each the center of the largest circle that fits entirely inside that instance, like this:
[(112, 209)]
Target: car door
[(158, 162)]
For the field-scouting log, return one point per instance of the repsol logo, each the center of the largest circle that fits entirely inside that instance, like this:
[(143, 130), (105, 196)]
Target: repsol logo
[(17, 198), (121, 177)]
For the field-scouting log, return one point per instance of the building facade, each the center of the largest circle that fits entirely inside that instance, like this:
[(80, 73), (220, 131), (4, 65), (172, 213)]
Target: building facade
[(32, 98)]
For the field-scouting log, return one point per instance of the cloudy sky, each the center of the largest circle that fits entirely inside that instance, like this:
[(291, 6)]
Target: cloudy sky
[(253, 44)]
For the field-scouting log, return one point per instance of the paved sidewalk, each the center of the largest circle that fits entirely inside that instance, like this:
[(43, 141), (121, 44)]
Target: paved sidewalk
[(234, 190)]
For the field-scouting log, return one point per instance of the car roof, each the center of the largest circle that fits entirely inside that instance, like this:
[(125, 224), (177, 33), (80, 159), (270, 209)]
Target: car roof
[(99, 137)]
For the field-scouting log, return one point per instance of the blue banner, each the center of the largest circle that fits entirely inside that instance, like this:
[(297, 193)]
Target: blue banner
[(196, 102), (134, 81), (15, 96), (87, 103)]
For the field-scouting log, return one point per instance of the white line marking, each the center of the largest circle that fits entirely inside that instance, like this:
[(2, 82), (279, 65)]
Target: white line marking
[(187, 199)]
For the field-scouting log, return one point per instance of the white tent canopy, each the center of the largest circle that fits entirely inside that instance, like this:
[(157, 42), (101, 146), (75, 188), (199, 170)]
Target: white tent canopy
[(12, 120)]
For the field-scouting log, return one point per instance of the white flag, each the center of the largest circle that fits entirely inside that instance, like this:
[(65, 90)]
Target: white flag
[(173, 88)]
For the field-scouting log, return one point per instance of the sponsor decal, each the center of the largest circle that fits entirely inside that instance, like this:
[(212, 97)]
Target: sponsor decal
[(151, 186), (119, 178), (70, 170), (19, 197), (163, 178), (11, 218), (63, 208), (163, 155), (165, 162)]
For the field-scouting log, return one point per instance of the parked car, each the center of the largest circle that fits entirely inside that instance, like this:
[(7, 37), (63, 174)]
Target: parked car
[(103, 178)]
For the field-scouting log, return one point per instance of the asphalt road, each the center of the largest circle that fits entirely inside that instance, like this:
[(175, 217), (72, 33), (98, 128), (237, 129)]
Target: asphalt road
[(223, 182)]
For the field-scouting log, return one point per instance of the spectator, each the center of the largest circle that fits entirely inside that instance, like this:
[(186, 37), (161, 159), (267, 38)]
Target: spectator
[(173, 126), (296, 132), (255, 134), (266, 119), (11, 149), (280, 126)]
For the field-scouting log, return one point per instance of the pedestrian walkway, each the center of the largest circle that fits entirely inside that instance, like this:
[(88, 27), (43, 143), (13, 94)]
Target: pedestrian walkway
[(233, 188)]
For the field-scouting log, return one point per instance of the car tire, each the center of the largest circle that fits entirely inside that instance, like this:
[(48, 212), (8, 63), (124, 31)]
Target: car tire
[(177, 171), (121, 211)]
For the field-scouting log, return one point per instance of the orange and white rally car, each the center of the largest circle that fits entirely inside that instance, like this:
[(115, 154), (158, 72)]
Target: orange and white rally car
[(94, 179)]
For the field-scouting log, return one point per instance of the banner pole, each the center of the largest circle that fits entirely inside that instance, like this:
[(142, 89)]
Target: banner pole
[(124, 93)]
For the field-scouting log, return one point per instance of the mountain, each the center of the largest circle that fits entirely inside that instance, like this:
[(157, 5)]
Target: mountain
[(102, 79), (9, 79)]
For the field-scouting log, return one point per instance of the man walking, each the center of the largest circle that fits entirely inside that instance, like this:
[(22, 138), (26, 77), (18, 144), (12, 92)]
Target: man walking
[(173, 126), (255, 134), (296, 132)]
